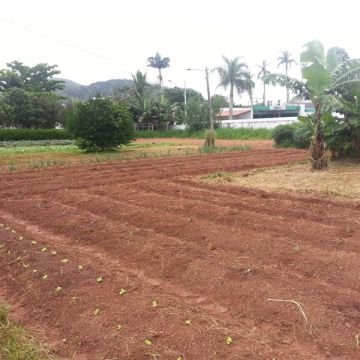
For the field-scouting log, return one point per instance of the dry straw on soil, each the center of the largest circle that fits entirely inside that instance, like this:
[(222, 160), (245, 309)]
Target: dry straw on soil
[(340, 179)]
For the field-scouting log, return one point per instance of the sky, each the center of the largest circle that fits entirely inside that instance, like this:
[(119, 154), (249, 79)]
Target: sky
[(99, 40)]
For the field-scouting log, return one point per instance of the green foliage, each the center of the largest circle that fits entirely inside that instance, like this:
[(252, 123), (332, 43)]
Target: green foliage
[(217, 149), (221, 133), (218, 102), (197, 114), (15, 343), (159, 63), (27, 99), (100, 124), (283, 134), (332, 83), (33, 79), (34, 143), (33, 134), (295, 135)]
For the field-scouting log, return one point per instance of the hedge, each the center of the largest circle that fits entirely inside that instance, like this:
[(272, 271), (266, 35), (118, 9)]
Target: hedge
[(33, 134)]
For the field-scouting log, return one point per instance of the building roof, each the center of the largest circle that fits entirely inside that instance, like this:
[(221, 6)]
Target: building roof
[(225, 113)]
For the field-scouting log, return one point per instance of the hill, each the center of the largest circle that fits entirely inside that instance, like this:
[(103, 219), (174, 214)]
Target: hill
[(84, 92)]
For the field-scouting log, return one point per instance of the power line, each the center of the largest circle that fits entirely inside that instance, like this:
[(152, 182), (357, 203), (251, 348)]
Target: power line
[(66, 44)]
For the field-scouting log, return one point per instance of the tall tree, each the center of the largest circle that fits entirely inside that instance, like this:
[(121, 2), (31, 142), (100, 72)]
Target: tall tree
[(157, 62), (262, 75), (326, 79), (140, 83), (285, 60), (232, 75), (28, 96), (249, 86), (38, 78)]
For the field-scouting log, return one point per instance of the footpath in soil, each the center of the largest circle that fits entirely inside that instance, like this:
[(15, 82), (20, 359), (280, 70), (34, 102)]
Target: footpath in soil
[(137, 260)]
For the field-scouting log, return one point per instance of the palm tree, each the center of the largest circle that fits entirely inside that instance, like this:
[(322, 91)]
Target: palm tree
[(326, 80), (232, 75), (140, 83), (159, 63), (262, 75), (249, 86), (285, 59)]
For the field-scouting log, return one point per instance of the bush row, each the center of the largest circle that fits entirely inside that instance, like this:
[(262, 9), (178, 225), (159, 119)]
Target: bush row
[(294, 135), (33, 134), (221, 133)]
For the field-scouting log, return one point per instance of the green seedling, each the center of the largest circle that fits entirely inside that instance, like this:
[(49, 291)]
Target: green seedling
[(25, 266), (147, 342), (65, 261), (45, 277), (34, 242), (188, 322), (99, 279), (58, 288), (44, 249), (228, 340), (119, 327), (13, 231), (80, 267), (53, 252), (154, 304)]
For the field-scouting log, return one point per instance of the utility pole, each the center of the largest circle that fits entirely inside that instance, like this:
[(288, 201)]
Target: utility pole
[(208, 94), (209, 98)]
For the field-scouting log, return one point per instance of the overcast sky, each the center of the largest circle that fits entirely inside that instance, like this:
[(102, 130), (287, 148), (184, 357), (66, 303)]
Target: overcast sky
[(99, 40)]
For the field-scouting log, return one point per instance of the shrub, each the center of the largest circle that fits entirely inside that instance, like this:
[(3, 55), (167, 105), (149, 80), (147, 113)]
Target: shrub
[(100, 124), (33, 134), (283, 134), (302, 135)]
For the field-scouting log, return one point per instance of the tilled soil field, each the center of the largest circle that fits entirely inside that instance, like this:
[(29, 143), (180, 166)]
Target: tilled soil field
[(138, 260)]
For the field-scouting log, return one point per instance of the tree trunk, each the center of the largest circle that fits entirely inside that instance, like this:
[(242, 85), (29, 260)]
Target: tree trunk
[(317, 147), (287, 86), (264, 93), (231, 102), (160, 78)]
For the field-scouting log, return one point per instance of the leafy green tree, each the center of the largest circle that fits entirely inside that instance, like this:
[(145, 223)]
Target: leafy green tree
[(27, 97), (157, 62), (249, 86), (218, 102), (232, 76), (285, 60), (100, 124), (140, 84), (35, 79), (262, 75), (197, 114), (327, 80)]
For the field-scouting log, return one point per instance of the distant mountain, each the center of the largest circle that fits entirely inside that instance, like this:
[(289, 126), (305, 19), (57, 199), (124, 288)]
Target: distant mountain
[(84, 92)]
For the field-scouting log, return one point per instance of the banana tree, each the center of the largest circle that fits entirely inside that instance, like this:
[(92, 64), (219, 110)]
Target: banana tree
[(325, 80)]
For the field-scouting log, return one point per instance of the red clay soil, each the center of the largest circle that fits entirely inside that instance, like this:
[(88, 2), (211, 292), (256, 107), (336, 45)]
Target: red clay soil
[(223, 257)]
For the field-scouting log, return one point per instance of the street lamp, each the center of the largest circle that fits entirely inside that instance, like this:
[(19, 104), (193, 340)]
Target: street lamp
[(206, 70), (185, 100)]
